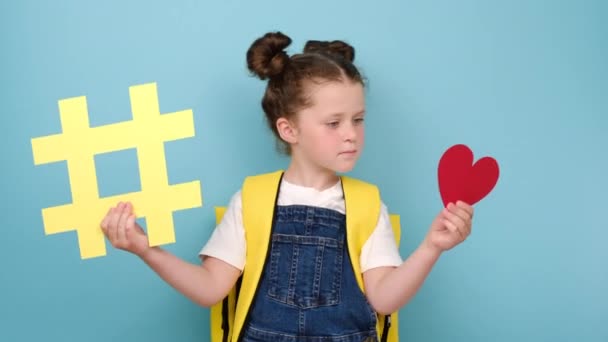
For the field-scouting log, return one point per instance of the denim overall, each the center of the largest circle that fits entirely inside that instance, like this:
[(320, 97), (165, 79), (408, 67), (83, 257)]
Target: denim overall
[(308, 291)]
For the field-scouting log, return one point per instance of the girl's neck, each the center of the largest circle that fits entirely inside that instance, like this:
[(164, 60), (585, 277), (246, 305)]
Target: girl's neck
[(308, 176)]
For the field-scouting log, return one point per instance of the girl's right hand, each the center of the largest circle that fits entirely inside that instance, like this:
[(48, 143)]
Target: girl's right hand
[(124, 233)]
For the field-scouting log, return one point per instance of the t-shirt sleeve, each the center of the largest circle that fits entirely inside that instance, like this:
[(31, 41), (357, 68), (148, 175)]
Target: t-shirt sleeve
[(227, 242), (380, 249)]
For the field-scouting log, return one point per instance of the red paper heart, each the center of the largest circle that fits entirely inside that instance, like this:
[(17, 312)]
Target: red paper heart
[(460, 179)]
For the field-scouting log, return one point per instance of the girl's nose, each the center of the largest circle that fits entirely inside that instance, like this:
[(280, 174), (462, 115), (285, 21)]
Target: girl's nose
[(349, 133)]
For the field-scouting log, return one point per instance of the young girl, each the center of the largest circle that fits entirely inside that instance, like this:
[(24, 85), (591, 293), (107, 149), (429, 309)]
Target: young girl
[(315, 105)]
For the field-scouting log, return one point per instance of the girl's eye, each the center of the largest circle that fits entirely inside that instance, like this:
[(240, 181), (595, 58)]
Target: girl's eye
[(333, 124), (359, 120)]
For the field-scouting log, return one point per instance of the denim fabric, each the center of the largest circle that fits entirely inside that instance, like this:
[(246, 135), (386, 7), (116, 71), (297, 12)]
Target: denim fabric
[(308, 291)]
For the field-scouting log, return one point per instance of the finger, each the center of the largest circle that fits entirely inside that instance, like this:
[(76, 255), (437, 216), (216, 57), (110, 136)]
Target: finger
[(438, 222), (466, 207), (469, 221), (468, 230), (104, 222), (130, 225), (114, 222), (444, 217), (462, 213), (453, 228), (454, 218), (122, 223), (131, 228)]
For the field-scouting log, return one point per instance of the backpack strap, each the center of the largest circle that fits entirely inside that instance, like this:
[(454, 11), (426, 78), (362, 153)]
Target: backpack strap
[(363, 203), (259, 196)]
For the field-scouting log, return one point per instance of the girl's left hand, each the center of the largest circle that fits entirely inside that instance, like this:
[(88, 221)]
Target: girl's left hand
[(451, 227)]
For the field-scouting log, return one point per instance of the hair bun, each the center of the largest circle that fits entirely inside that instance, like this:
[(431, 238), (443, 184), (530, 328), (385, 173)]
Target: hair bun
[(335, 48), (266, 57)]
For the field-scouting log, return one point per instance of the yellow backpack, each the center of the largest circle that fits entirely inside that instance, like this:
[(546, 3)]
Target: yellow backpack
[(259, 195)]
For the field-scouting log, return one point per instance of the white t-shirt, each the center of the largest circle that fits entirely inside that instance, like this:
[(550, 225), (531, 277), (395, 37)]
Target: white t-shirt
[(228, 244)]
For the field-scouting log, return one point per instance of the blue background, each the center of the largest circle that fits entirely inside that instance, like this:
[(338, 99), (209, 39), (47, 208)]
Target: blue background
[(523, 81)]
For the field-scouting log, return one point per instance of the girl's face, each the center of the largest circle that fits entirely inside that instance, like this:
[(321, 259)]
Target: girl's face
[(330, 133)]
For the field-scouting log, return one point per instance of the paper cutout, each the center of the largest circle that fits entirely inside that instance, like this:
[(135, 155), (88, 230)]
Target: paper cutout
[(460, 179), (78, 143)]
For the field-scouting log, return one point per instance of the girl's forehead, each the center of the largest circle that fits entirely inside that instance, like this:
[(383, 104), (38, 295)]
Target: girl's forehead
[(337, 97)]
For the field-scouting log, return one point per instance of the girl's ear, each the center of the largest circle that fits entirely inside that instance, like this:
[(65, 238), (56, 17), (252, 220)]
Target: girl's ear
[(287, 130)]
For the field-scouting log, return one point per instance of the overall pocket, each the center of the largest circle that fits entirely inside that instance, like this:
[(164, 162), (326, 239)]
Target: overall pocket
[(305, 271)]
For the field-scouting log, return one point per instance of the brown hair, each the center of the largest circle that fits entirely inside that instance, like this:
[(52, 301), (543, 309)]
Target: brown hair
[(286, 94)]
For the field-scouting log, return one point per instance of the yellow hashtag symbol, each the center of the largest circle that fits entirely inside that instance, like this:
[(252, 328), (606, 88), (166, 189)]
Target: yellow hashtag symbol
[(78, 143)]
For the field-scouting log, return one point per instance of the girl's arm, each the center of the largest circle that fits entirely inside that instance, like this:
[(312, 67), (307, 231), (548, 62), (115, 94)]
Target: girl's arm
[(204, 284), (389, 288)]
